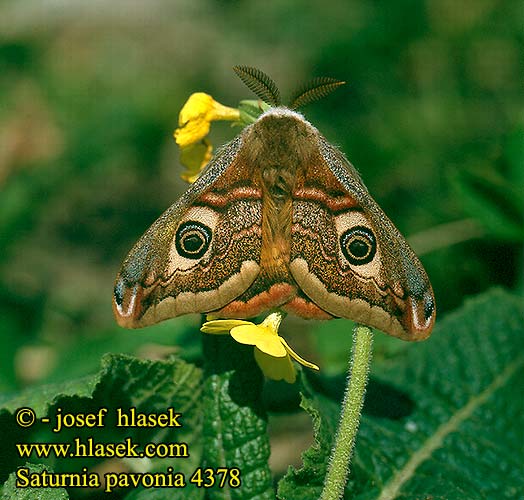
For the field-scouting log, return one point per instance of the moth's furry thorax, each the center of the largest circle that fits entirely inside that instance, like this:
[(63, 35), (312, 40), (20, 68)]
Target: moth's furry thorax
[(280, 139)]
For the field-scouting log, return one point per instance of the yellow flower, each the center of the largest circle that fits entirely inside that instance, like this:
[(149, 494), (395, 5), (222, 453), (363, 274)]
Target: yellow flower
[(197, 114), (195, 157), (272, 352), (194, 122)]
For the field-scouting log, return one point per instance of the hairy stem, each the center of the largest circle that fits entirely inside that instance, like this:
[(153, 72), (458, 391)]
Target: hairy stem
[(350, 416)]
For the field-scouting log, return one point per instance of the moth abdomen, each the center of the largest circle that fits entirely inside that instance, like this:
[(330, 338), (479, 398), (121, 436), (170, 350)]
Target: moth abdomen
[(278, 181)]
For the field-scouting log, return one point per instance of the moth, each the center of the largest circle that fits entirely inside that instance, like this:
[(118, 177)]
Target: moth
[(279, 219)]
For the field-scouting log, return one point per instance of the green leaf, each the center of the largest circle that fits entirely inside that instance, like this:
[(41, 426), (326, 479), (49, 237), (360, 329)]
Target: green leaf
[(250, 110), (136, 379), (464, 435), (333, 342), (514, 155), (166, 494), (235, 423), (123, 382), (307, 482), (84, 356), (11, 492), (495, 201)]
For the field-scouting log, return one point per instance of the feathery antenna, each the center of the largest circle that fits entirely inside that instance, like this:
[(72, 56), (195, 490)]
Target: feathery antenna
[(314, 90), (261, 84)]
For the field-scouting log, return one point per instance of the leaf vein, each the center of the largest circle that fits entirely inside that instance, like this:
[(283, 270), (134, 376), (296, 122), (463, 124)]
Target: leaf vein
[(394, 485)]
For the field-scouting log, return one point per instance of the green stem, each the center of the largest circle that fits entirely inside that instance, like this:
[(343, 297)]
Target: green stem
[(350, 416)]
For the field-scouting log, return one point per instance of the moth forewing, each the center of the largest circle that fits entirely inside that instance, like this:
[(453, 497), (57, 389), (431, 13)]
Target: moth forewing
[(406, 281), (160, 280)]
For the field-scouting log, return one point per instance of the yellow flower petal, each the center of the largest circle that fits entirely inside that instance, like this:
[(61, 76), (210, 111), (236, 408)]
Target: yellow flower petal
[(260, 336), (193, 131), (276, 368), (296, 357), (272, 352), (196, 107), (221, 112), (221, 326), (195, 157), (273, 322), (197, 114)]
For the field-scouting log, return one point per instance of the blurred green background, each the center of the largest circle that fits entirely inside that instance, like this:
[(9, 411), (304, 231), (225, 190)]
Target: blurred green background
[(89, 97)]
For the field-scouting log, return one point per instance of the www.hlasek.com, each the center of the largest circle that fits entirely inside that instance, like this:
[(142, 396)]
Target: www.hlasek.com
[(88, 447)]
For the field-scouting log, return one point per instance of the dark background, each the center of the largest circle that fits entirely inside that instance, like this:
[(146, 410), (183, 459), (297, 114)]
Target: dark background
[(89, 97)]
